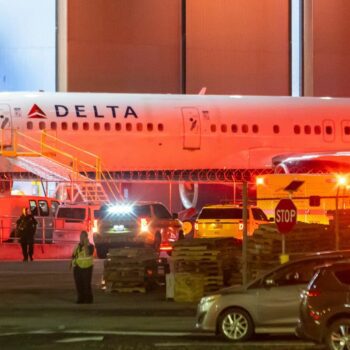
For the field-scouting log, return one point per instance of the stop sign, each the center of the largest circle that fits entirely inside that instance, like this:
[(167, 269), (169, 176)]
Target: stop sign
[(285, 215)]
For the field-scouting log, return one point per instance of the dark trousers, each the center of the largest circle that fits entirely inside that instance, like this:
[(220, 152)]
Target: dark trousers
[(27, 248), (82, 278)]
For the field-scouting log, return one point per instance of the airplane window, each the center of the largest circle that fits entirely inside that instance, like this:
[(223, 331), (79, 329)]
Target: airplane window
[(85, 126), (75, 126), (107, 126), (64, 126), (96, 126), (296, 129), (139, 126), (255, 129), (329, 130), (118, 126), (245, 128), (30, 125), (234, 128), (149, 126), (223, 128), (213, 128), (317, 129), (128, 127), (160, 127), (347, 130), (53, 125), (276, 129), (42, 125), (307, 129)]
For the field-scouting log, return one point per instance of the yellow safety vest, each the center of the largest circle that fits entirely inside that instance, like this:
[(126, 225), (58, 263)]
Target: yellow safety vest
[(82, 260)]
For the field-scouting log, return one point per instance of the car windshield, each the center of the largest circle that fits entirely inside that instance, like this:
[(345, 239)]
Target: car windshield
[(161, 212), (259, 215), (221, 213)]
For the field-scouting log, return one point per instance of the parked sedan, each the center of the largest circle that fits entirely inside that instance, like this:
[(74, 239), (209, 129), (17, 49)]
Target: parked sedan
[(269, 304), (325, 309)]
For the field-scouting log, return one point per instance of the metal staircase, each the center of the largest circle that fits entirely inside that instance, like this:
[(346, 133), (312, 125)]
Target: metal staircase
[(78, 173)]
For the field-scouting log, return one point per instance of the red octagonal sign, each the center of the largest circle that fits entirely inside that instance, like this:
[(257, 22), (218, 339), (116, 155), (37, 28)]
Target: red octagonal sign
[(285, 215)]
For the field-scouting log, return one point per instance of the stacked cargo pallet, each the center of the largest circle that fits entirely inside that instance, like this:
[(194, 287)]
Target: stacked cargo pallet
[(202, 266), (130, 269), (265, 245)]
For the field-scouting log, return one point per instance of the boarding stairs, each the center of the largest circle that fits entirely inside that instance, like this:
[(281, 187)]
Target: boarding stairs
[(77, 172)]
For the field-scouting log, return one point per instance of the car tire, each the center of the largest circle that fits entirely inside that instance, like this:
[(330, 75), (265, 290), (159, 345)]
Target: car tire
[(337, 332), (235, 325)]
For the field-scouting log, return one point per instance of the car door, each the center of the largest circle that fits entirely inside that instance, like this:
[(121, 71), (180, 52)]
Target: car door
[(278, 298)]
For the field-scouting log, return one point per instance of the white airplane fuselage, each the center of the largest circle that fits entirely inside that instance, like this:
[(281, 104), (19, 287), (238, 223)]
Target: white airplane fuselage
[(171, 132)]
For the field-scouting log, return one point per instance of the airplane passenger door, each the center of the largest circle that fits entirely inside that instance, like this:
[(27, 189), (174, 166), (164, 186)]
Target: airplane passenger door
[(5, 125), (191, 128), (328, 130)]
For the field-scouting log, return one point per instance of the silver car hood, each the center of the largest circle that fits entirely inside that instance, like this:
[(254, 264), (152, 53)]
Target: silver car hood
[(233, 289)]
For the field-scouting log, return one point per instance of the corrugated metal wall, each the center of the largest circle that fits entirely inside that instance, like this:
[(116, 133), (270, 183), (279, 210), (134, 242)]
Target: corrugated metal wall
[(233, 46), (123, 45), (238, 46), (327, 48)]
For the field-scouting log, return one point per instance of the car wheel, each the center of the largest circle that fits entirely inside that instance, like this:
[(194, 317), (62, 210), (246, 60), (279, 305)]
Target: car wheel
[(236, 325), (338, 335)]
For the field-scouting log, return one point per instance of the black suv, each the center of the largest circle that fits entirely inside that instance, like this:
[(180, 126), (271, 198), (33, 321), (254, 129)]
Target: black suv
[(325, 307), (138, 223)]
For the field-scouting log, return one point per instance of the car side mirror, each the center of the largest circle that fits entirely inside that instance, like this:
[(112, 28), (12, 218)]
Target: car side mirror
[(272, 220), (175, 215)]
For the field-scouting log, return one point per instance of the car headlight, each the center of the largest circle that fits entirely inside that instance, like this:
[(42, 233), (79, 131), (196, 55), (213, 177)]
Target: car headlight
[(209, 299)]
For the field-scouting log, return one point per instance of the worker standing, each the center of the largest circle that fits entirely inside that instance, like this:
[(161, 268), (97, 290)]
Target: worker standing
[(82, 263), (25, 230)]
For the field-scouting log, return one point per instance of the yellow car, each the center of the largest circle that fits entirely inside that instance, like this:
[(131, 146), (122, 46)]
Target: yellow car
[(226, 220)]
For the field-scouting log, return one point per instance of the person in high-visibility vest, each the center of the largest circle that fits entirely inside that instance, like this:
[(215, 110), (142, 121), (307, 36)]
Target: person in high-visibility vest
[(82, 263)]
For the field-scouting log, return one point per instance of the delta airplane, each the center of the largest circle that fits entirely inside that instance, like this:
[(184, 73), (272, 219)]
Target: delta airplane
[(174, 132)]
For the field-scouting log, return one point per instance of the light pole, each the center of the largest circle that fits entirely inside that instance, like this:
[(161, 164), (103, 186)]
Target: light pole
[(341, 182)]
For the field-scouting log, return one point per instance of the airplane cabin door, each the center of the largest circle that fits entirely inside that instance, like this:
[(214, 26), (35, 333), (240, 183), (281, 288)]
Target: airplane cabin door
[(5, 125), (191, 128)]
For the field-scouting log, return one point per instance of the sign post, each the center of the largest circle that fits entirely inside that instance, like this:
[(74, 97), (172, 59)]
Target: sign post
[(285, 218)]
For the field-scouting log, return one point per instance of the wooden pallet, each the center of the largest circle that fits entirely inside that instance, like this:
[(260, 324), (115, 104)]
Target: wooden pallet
[(128, 290)]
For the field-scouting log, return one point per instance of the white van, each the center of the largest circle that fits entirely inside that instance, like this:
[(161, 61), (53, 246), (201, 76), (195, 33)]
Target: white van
[(43, 208), (71, 219)]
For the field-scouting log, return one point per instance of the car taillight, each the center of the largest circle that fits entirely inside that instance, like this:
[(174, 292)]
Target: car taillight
[(144, 225), (165, 247), (313, 293), (315, 315)]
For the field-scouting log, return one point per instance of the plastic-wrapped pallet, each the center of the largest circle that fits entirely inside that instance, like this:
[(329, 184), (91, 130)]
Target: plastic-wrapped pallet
[(188, 287)]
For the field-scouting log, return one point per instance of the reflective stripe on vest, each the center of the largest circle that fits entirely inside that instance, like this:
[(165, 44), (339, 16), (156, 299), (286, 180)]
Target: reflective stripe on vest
[(81, 259)]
